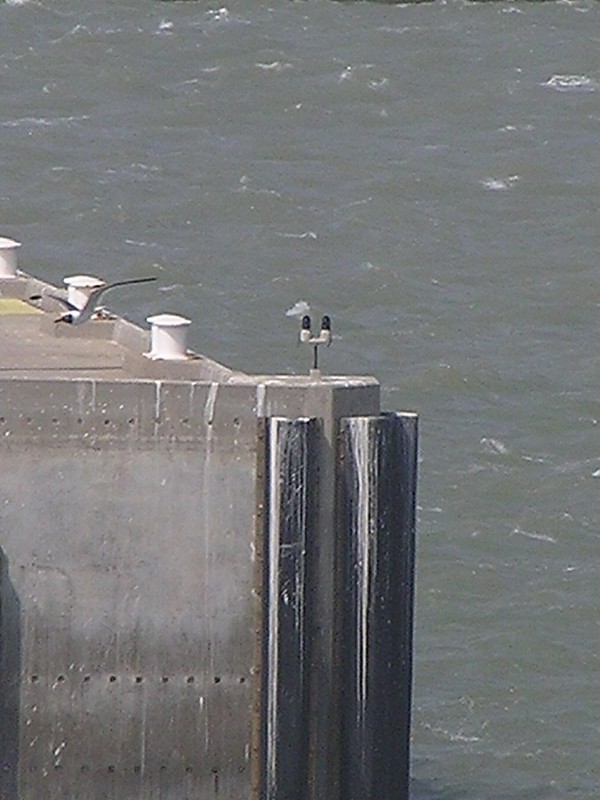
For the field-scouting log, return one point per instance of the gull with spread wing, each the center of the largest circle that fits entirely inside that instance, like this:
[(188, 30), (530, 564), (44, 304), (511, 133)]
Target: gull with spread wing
[(77, 316)]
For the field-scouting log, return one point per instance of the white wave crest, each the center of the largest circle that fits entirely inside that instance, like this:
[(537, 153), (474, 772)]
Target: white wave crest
[(499, 184), (569, 83), (540, 537), (299, 309)]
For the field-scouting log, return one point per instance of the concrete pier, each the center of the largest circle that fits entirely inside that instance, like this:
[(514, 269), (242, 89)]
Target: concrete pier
[(377, 490), (291, 500), (188, 604)]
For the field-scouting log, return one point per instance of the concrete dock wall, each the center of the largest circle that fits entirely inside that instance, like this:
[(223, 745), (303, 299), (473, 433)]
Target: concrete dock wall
[(377, 495), (184, 570), (290, 504), (127, 518)]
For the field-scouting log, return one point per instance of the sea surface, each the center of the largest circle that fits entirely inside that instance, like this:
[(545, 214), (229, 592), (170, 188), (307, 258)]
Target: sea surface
[(429, 176)]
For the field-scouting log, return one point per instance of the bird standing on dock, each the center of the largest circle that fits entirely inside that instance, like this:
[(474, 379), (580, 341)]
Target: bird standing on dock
[(77, 316)]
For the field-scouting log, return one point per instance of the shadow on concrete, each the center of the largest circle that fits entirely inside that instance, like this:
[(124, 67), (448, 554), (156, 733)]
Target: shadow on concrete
[(10, 675)]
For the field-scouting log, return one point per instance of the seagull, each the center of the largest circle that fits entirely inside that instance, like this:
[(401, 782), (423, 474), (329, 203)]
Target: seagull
[(77, 316)]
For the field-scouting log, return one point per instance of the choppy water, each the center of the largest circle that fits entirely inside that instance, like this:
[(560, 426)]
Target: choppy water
[(428, 175)]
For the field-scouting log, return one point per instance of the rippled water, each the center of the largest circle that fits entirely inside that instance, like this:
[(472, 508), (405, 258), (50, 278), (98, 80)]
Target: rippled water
[(428, 175)]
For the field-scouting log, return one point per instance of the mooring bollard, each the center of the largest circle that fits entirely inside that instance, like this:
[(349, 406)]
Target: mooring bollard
[(8, 258)]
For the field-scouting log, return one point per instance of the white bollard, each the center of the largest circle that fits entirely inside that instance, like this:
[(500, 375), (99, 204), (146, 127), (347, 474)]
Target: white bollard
[(79, 288), (8, 257), (169, 333)]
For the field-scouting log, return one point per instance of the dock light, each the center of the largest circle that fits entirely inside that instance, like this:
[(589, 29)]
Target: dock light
[(325, 334), (8, 257), (324, 337), (305, 329), (169, 333)]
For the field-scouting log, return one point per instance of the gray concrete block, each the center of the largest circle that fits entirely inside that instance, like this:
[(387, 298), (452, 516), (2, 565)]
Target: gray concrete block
[(134, 528)]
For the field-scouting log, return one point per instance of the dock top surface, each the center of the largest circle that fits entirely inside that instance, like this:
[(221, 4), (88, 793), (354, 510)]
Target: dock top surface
[(33, 347), (27, 350)]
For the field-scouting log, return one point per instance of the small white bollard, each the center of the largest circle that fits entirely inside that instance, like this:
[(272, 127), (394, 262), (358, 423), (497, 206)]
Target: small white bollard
[(79, 288), (8, 257), (169, 333)]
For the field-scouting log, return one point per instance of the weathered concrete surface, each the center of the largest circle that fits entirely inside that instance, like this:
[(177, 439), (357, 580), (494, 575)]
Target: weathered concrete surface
[(132, 535), (377, 483), (27, 351), (129, 546), (34, 346), (290, 496)]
